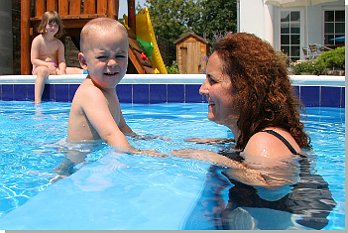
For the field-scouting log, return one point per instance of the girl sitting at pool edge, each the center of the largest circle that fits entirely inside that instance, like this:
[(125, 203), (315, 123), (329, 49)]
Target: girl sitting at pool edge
[(47, 52)]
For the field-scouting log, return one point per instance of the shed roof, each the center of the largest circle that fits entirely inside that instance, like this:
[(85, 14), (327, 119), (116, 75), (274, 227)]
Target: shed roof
[(189, 34)]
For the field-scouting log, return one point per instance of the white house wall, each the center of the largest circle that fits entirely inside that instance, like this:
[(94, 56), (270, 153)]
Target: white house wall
[(263, 20), (252, 17)]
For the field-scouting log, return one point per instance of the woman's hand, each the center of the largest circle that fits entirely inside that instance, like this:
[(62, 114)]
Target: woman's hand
[(210, 141), (154, 153), (203, 155), (150, 137)]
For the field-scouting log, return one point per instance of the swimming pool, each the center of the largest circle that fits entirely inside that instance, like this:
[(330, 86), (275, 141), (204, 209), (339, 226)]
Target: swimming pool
[(114, 191)]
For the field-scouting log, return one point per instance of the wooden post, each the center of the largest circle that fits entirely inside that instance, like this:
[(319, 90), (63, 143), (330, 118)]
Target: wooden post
[(25, 37), (131, 16), (113, 6)]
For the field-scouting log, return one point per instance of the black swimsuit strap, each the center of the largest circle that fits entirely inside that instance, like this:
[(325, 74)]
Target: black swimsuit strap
[(281, 138)]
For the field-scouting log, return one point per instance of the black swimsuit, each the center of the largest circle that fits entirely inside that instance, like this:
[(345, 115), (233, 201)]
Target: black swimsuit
[(310, 197), (281, 138)]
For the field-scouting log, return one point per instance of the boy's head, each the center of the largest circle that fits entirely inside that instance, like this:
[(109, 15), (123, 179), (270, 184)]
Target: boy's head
[(51, 18), (100, 26), (104, 51)]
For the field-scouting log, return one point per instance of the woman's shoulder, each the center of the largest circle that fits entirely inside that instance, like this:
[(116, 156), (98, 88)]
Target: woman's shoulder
[(266, 145)]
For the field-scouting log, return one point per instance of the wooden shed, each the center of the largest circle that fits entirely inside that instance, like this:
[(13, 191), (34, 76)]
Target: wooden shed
[(191, 53)]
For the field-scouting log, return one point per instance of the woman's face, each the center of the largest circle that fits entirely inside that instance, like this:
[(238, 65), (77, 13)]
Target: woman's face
[(218, 89)]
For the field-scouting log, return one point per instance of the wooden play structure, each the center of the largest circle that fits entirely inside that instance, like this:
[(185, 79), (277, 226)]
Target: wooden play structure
[(191, 53), (75, 14)]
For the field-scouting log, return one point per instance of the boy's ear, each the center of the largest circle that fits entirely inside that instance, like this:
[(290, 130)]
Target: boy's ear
[(82, 60)]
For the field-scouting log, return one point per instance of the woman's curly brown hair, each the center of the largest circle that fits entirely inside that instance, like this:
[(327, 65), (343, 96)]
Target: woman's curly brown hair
[(263, 93)]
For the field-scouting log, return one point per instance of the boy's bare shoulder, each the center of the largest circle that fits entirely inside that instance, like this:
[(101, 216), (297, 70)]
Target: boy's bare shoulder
[(87, 90)]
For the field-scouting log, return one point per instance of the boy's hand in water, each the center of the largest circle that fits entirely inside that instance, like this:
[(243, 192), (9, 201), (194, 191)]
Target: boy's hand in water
[(56, 178)]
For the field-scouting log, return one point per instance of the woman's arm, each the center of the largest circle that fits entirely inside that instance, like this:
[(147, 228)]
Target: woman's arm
[(210, 141), (255, 176)]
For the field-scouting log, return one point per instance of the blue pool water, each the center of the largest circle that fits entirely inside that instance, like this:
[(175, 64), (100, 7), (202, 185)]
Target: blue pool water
[(113, 191)]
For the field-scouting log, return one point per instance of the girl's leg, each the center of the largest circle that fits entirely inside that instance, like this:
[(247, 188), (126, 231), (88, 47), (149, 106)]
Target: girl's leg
[(74, 70), (42, 75)]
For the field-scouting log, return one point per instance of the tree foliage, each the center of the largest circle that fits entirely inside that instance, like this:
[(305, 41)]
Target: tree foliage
[(217, 18), (206, 18), (170, 18)]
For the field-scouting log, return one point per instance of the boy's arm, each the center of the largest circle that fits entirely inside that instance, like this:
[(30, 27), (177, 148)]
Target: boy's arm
[(95, 106), (98, 114), (125, 128)]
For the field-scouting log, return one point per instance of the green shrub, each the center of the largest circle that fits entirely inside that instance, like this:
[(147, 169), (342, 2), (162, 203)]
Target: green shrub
[(173, 68), (333, 59), (308, 67), (328, 60)]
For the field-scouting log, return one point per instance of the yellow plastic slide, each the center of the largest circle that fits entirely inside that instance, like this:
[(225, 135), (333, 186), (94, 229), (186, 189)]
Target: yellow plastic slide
[(145, 30)]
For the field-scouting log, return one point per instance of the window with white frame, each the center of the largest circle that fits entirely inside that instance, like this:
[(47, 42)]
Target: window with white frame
[(290, 33), (334, 27)]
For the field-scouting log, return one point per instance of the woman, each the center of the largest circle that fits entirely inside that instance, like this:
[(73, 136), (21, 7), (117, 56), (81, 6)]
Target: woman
[(248, 91)]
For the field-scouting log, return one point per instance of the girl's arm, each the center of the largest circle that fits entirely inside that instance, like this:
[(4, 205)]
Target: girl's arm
[(61, 58)]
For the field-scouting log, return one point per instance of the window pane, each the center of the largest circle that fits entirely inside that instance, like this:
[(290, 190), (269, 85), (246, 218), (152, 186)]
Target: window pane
[(339, 39), (295, 28), (294, 58), (339, 28), (284, 16), (295, 39), (285, 39), (329, 28), (295, 51), (329, 39), (295, 16), (284, 28), (339, 16), (329, 16), (285, 49)]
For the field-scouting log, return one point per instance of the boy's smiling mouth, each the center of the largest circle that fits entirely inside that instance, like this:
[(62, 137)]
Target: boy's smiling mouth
[(111, 73)]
